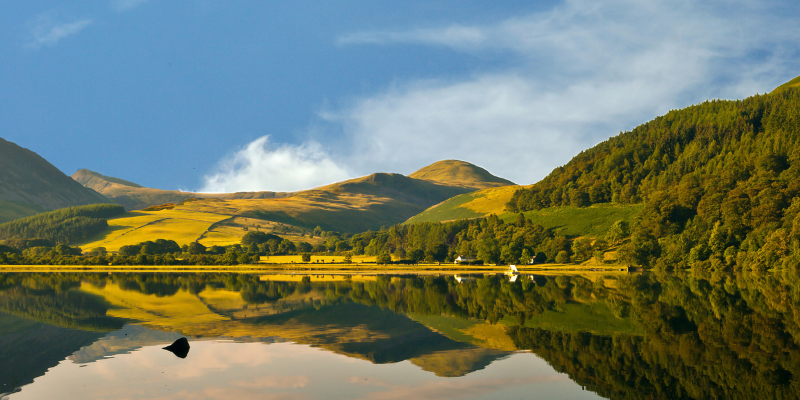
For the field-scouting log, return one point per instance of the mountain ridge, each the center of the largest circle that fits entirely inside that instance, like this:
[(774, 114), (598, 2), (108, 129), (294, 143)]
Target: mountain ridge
[(29, 184)]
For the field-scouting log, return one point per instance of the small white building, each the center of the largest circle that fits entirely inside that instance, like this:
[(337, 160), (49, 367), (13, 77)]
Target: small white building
[(464, 259)]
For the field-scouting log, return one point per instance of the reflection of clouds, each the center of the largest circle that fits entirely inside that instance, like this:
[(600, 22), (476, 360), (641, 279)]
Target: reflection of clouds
[(206, 357), (226, 394), (448, 388), (274, 382)]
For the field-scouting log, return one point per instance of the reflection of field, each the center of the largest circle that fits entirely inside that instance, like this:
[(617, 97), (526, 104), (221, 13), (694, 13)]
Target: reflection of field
[(180, 309), (316, 259)]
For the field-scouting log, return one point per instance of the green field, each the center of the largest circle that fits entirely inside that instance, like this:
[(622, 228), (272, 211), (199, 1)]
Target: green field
[(593, 221)]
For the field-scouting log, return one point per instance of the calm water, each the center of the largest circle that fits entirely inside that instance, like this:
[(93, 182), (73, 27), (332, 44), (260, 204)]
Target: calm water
[(102, 336)]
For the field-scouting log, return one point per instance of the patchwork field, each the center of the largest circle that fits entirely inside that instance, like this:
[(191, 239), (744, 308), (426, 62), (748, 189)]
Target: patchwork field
[(193, 221), (182, 226), (593, 221), (469, 205)]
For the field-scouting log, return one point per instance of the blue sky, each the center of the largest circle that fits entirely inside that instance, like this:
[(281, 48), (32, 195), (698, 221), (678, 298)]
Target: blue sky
[(214, 95)]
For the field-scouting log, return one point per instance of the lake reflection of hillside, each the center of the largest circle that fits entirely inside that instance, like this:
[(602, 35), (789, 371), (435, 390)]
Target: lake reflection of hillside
[(621, 336)]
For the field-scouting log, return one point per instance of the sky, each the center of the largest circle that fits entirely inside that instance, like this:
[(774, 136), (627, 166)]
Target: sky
[(225, 96)]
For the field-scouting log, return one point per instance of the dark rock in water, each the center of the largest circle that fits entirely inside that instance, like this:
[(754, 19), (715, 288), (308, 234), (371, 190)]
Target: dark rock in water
[(180, 347)]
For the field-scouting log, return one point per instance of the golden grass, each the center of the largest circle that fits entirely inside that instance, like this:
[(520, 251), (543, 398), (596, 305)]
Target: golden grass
[(222, 299), (182, 226), (316, 277), (491, 201), (232, 230)]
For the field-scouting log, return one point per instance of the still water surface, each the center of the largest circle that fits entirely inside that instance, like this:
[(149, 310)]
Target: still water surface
[(102, 336)]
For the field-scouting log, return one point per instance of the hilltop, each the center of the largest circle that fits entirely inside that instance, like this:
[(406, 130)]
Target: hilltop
[(459, 173), (133, 196), (29, 185)]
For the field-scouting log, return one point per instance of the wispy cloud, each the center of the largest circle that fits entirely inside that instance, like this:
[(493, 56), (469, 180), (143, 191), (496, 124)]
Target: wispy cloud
[(47, 30), (125, 5), (583, 71), (453, 36), (260, 167)]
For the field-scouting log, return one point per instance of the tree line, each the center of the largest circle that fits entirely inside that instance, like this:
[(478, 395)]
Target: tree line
[(63, 226)]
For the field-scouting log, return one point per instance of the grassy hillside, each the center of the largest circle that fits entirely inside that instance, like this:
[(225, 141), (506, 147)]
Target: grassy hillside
[(11, 210), (791, 84), (29, 184), (593, 221), (469, 205)]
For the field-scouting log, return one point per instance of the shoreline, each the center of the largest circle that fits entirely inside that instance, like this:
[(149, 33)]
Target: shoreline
[(313, 268)]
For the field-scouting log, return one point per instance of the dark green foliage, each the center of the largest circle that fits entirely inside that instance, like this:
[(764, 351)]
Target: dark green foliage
[(160, 246), (733, 166), (66, 225), (258, 238), (488, 239), (8, 249)]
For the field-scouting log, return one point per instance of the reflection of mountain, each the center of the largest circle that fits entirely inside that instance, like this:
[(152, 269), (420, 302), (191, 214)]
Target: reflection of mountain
[(125, 340), (306, 314), (28, 349), (371, 333), (458, 362)]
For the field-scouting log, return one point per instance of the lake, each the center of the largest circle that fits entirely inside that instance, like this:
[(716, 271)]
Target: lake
[(491, 336)]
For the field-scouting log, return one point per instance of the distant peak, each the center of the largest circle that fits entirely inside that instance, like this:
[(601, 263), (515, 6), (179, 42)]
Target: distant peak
[(84, 176), (459, 172)]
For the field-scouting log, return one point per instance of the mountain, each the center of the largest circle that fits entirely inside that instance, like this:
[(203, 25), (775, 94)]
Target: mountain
[(136, 197), (719, 182), (352, 206), (29, 185), (459, 173)]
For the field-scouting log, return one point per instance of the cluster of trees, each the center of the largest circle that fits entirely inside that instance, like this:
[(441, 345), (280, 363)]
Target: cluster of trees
[(63, 226), (719, 180), (488, 239)]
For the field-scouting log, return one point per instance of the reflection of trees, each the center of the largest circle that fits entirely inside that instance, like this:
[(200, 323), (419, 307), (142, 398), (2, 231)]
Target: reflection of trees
[(705, 336), (723, 336), (48, 298)]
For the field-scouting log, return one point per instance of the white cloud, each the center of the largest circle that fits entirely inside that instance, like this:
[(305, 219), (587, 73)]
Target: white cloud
[(45, 30), (125, 5), (259, 167), (583, 71)]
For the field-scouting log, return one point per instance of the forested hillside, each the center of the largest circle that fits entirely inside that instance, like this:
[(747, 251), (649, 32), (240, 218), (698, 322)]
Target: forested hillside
[(719, 181), (61, 226)]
